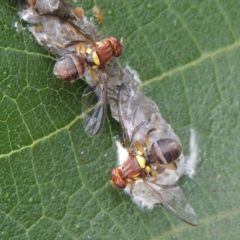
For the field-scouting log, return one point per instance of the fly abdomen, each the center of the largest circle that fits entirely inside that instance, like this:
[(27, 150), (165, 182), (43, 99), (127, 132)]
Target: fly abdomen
[(165, 151)]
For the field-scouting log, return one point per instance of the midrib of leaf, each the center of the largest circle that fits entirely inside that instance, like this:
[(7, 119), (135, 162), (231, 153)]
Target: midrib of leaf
[(212, 218)]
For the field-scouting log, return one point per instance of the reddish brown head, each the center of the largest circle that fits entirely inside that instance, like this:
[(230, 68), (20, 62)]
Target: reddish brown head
[(117, 179), (132, 169), (116, 46)]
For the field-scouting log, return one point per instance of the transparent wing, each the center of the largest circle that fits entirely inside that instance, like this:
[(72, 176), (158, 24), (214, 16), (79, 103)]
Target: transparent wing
[(81, 31), (174, 200), (129, 111), (94, 108), (76, 29)]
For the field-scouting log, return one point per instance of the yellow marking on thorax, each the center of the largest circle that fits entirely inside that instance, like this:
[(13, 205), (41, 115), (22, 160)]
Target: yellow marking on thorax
[(96, 59), (141, 161)]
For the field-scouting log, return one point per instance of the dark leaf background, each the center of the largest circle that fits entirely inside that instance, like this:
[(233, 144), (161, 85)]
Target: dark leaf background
[(54, 180)]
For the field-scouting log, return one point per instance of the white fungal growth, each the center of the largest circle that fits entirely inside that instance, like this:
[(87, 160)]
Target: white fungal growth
[(122, 153), (192, 160), (39, 36), (18, 27), (134, 73)]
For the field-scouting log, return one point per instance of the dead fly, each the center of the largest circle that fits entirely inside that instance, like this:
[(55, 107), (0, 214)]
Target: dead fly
[(148, 172), (91, 55)]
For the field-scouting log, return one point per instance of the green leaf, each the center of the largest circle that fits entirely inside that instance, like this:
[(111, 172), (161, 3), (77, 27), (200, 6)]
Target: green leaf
[(54, 180)]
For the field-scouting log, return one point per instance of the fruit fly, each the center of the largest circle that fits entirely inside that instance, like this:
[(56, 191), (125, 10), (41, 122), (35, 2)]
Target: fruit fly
[(89, 53), (92, 55), (146, 168)]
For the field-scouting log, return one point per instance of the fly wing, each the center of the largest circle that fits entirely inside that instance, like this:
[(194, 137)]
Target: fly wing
[(128, 112), (82, 32), (174, 200), (94, 108)]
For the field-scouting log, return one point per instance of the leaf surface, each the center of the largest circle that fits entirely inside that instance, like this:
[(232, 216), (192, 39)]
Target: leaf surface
[(54, 180)]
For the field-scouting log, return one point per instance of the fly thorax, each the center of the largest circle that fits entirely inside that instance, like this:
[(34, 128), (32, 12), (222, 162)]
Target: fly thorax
[(141, 161)]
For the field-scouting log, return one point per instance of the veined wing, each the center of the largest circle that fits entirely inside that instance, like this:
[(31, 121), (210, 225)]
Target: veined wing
[(130, 116), (174, 200), (94, 108)]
